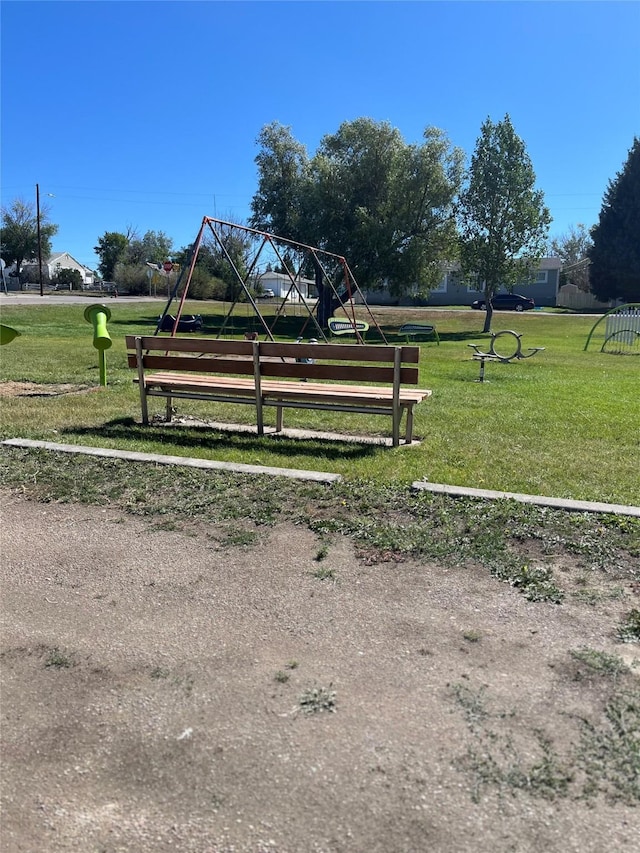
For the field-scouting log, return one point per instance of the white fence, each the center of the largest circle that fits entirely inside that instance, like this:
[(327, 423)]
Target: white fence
[(570, 296), (622, 329)]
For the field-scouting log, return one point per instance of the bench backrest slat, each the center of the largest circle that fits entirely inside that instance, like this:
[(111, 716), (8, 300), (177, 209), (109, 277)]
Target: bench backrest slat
[(208, 345), (189, 364), (338, 362)]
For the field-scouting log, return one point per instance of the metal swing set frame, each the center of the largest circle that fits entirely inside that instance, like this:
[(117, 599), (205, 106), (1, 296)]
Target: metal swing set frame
[(344, 289)]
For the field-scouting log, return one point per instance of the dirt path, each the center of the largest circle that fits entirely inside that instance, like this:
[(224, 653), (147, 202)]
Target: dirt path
[(154, 689)]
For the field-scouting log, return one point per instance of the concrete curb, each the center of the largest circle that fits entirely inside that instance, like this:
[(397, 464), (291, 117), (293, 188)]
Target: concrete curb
[(537, 500), (322, 477), (207, 464)]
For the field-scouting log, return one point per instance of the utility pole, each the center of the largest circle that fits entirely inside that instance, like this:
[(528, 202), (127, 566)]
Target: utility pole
[(39, 240)]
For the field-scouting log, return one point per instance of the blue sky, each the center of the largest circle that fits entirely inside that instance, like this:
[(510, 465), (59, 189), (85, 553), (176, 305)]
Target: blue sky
[(145, 114)]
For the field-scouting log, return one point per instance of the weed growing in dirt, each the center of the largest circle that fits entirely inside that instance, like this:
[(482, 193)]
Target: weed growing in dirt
[(281, 677), (629, 630), (324, 573), (57, 659), (609, 751), (323, 553), (605, 751), (537, 584), (318, 699), (472, 636), (238, 538), (599, 663)]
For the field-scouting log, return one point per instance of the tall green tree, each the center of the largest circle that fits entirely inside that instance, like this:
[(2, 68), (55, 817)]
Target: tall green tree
[(366, 194), (504, 222), (110, 249), (19, 233), (283, 178), (615, 254)]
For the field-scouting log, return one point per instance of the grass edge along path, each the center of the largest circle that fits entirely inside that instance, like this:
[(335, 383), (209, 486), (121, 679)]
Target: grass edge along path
[(321, 477)]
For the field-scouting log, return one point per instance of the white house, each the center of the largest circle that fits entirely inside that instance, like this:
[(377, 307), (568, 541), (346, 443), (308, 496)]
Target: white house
[(282, 287), (52, 265)]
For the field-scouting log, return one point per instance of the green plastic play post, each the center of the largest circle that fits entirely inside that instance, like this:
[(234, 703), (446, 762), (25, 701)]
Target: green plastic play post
[(98, 316)]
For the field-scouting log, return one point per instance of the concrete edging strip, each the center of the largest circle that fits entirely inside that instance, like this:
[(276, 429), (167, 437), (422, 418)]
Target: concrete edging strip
[(188, 461), (537, 500)]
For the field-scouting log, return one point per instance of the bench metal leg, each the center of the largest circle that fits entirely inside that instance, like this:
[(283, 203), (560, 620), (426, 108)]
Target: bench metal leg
[(279, 419), (143, 404), (409, 433), (169, 410)]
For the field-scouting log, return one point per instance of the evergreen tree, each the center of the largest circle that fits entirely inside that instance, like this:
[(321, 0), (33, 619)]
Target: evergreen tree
[(615, 254)]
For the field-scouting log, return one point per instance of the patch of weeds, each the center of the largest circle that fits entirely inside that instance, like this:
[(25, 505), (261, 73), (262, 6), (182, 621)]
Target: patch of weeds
[(281, 677), (471, 702), (324, 573), (57, 659), (323, 553), (318, 699), (629, 630), (159, 672), (472, 636), (593, 596), (167, 525), (494, 761), (600, 663), (292, 664), (238, 538), (609, 752), (537, 584)]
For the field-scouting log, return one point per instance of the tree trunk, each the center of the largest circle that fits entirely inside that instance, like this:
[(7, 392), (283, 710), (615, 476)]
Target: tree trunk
[(489, 315), (324, 298)]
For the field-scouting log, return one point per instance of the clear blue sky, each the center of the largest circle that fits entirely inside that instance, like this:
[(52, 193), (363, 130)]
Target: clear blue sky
[(145, 114)]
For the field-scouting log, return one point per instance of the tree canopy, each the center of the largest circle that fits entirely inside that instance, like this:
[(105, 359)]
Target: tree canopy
[(615, 253), (366, 194), (110, 249), (503, 219), (19, 233)]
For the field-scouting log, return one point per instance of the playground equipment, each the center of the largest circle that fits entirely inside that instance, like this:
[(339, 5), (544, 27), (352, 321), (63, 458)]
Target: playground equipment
[(98, 316), (334, 281), (7, 334), (503, 357), (621, 330)]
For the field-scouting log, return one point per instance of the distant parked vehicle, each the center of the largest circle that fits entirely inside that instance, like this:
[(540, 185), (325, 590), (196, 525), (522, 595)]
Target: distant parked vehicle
[(506, 302), (267, 294)]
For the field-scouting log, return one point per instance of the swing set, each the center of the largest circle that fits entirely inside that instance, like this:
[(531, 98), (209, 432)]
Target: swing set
[(334, 281)]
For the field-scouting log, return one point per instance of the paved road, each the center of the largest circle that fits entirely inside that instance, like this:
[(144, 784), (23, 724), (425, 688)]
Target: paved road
[(34, 298)]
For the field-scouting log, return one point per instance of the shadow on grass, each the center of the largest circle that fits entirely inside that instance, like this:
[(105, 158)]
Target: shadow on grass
[(292, 327), (126, 430)]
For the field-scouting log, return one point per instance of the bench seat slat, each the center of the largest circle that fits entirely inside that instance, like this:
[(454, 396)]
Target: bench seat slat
[(281, 390)]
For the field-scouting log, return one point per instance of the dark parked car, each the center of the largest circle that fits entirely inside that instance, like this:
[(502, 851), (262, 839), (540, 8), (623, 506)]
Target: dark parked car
[(506, 302)]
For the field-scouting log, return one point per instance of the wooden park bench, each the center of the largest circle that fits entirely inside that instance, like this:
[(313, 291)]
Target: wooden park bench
[(413, 330), (333, 377)]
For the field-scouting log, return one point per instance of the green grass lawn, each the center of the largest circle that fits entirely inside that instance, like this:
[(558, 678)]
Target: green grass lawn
[(564, 423)]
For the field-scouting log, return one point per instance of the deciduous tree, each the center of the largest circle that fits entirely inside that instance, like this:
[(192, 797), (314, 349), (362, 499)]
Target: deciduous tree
[(383, 204), (615, 254), (19, 233), (110, 249), (503, 219), (572, 248)]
